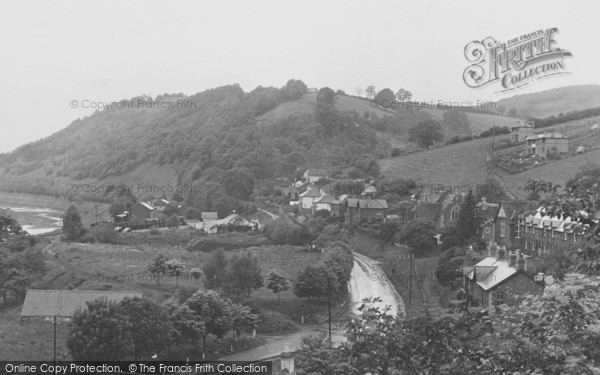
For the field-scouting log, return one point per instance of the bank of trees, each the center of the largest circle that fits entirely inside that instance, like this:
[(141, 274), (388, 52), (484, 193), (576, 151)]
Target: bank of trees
[(140, 329), (21, 263)]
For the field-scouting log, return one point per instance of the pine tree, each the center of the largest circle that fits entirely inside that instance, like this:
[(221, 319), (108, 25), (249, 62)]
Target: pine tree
[(467, 223), (72, 226)]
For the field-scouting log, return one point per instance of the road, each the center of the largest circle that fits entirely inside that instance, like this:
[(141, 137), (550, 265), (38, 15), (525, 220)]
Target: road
[(368, 281)]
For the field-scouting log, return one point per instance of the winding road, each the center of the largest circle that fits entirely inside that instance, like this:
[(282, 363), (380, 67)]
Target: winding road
[(369, 281)]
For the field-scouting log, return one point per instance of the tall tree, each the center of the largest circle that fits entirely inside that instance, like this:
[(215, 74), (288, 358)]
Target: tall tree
[(147, 325), (158, 266), (277, 283), (467, 224), (326, 96), (426, 133), (215, 270), (371, 91), (98, 333), (243, 275), (72, 227), (403, 95), (385, 98), (213, 310)]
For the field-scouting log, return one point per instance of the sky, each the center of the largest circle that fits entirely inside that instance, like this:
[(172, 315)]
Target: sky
[(55, 53)]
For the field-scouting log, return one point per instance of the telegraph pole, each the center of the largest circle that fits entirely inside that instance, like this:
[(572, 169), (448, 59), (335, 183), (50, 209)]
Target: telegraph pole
[(410, 279), (55, 340)]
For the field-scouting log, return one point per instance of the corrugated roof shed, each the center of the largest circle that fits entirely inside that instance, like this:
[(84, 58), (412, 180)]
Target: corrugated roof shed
[(63, 303)]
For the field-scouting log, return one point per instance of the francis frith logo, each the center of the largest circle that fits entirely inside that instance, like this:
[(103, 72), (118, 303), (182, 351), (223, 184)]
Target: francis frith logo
[(514, 63)]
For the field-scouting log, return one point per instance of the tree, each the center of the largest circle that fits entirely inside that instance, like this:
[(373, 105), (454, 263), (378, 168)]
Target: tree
[(239, 182), (293, 89), (214, 270), (242, 318), (385, 98), (467, 225), (72, 227), (99, 333), (326, 96), (403, 95), (147, 326), (188, 329), (370, 90), (311, 281), (426, 133), (213, 310), (419, 235), (158, 266), (277, 283), (173, 221), (359, 91), (174, 268), (9, 227), (243, 275)]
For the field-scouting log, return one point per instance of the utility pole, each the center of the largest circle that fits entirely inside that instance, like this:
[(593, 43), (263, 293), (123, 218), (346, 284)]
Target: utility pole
[(329, 310), (410, 279), (54, 340), (493, 136), (381, 238)]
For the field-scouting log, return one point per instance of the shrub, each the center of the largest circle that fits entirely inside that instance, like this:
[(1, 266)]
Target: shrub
[(87, 238), (154, 231)]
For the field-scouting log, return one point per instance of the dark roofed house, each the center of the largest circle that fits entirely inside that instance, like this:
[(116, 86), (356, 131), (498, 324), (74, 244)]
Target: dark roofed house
[(208, 216), (501, 278), (358, 209), (63, 303), (140, 212), (511, 216)]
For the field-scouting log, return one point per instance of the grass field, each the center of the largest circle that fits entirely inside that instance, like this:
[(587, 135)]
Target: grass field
[(460, 164), (123, 267)]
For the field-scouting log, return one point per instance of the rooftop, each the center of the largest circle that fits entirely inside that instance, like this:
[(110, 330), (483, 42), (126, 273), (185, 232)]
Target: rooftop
[(63, 303)]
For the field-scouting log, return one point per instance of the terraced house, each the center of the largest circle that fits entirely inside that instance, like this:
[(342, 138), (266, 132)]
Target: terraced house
[(541, 233)]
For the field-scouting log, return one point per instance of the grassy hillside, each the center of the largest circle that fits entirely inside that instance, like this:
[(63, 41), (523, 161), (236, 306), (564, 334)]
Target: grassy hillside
[(552, 102), (456, 165)]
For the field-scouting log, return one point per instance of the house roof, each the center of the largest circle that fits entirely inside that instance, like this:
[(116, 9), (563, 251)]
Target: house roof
[(63, 303), (368, 203), (342, 199), (486, 210), (547, 136), (513, 209), (326, 199), (311, 193), (147, 205), (209, 215), (490, 272)]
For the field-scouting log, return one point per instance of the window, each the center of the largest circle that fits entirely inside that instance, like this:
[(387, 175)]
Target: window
[(454, 213), (518, 228), (502, 227), (499, 298)]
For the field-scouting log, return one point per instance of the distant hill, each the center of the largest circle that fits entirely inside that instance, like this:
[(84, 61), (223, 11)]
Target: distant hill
[(553, 102)]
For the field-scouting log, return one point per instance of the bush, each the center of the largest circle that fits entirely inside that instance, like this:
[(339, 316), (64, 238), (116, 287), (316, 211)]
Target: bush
[(275, 322), (154, 231), (107, 235), (87, 238)]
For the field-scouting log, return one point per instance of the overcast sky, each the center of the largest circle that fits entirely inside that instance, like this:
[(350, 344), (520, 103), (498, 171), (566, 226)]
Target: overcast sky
[(59, 51)]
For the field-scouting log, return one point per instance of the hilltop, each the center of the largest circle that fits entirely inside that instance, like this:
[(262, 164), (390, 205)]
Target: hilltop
[(222, 141), (553, 102)]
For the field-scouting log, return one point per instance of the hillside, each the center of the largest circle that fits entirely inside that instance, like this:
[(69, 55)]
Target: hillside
[(553, 102)]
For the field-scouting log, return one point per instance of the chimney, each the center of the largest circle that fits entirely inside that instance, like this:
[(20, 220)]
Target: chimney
[(521, 263), (287, 359), (512, 259), (501, 253)]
